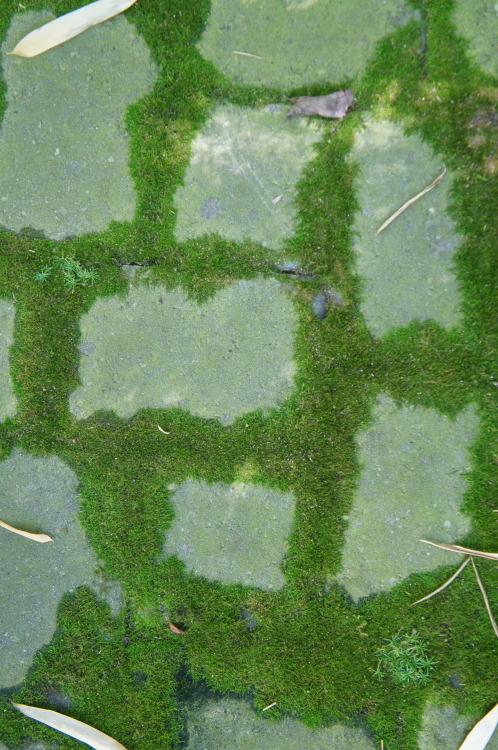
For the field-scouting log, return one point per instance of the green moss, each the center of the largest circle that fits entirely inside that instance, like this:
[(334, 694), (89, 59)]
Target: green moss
[(312, 650)]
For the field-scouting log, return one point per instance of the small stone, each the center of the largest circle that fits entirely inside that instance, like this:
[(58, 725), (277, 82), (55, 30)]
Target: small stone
[(319, 305)]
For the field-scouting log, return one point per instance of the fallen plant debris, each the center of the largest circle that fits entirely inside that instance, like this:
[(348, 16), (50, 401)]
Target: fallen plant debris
[(471, 554), (479, 736), (42, 538), (72, 727), (66, 27), (174, 629), (331, 105), (412, 200)]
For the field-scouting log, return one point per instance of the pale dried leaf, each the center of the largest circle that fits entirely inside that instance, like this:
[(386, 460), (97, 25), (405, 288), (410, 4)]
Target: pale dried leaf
[(42, 538), (412, 200), (486, 600), (161, 430), (463, 550), (72, 727), (331, 105), (479, 736), (68, 26), (446, 583)]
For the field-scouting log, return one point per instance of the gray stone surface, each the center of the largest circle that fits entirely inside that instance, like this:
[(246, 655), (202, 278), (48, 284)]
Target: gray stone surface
[(478, 22), (63, 144), (37, 495), (406, 270), (444, 729), (241, 180), (413, 464), (157, 348), (8, 401), (230, 724), (231, 533), (298, 41)]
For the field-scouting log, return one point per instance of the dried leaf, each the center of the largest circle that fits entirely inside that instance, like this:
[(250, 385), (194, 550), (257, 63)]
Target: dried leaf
[(331, 105), (174, 629), (42, 538), (446, 583), (412, 200), (161, 430), (479, 736), (486, 600), (247, 54), (72, 727), (68, 26), (463, 550)]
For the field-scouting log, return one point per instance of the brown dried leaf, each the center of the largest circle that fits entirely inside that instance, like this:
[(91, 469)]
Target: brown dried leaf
[(42, 538), (66, 27), (463, 550), (446, 583), (331, 105), (174, 629), (72, 727)]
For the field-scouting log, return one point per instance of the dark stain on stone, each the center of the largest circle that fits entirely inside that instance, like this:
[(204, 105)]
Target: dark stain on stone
[(210, 208)]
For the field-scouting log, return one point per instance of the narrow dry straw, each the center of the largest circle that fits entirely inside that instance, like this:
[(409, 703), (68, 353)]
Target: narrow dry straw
[(412, 200)]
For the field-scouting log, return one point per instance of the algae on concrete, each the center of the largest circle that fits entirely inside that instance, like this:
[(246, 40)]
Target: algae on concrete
[(478, 23), (407, 271), (158, 348), (231, 533), (230, 724), (298, 41), (412, 481), (38, 495), (8, 401), (444, 729), (63, 144), (241, 180)]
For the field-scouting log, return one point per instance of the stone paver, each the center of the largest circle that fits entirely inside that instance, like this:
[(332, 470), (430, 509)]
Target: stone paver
[(8, 401), (444, 729), (241, 180), (413, 463), (406, 270), (231, 724), (63, 144), (478, 22), (37, 494), (314, 40), (157, 348), (231, 533)]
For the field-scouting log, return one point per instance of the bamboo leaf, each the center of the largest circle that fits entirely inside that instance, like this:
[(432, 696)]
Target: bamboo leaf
[(68, 26), (446, 583), (479, 736), (174, 629), (72, 727), (486, 600), (463, 550), (42, 538)]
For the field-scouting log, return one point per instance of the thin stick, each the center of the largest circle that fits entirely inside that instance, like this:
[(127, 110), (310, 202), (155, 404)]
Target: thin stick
[(486, 600), (412, 200), (248, 54), (42, 538), (463, 550), (270, 706), (447, 583)]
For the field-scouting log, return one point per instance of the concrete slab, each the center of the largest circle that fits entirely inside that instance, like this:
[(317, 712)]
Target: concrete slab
[(478, 23), (8, 400), (444, 729)]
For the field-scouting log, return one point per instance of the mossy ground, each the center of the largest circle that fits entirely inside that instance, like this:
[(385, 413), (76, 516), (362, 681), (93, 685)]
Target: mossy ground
[(313, 651)]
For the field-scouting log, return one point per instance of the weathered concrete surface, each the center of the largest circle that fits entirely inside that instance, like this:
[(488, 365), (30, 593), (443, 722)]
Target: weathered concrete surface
[(157, 348), (444, 729), (478, 23), (230, 724), (298, 41), (406, 270), (242, 176), (63, 144), (8, 401), (231, 533), (413, 464)]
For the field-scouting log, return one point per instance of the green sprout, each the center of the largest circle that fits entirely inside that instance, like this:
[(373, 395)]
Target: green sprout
[(405, 659), (43, 274), (74, 274)]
